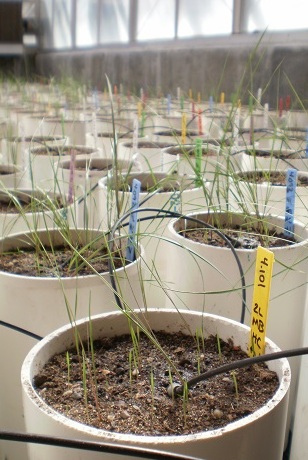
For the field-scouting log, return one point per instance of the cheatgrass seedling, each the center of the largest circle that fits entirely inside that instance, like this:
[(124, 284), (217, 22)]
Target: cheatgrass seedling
[(84, 380), (233, 374), (185, 401), (68, 363), (200, 347), (219, 347)]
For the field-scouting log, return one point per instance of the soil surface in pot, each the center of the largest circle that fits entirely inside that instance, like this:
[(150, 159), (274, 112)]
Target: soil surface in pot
[(238, 237), (189, 151), (127, 387), (61, 150), (283, 155), (150, 184), (150, 145), (93, 168), (272, 177), (28, 205), (58, 261)]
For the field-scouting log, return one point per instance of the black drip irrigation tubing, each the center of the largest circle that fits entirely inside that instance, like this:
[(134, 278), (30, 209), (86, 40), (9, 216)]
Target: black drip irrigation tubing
[(21, 330), (114, 449), (177, 389)]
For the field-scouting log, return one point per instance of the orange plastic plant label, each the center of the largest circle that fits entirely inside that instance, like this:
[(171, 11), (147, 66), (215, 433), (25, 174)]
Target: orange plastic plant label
[(260, 301)]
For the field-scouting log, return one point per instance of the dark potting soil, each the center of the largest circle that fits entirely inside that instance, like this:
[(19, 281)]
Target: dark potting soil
[(28, 205), (190, 151), (57, 262), (238, 237), (273, 177), (58, 151), (276, 154), (127, 393)]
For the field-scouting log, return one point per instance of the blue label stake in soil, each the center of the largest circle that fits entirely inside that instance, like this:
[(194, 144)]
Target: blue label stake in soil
[(132, 228), (290, 202)]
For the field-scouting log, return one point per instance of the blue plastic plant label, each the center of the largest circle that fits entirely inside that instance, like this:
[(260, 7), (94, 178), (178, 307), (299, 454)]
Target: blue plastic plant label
[(175, 201), (291, 178), (132, 228)]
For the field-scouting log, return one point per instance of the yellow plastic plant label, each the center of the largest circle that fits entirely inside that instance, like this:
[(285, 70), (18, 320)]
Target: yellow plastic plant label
[(260, 301)]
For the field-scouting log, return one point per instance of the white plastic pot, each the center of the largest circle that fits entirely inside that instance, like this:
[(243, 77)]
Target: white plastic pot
[(43, 162), (42, 304), (87, 173), (48, 216), (11, 176), (14, 148), (299, 441), (149, 154), (267, 197), (180, 194), (213, 162), (207, 278), (240, 440), (105, 142), (262, 138), (281, 159), (174, 136), (74, 129)]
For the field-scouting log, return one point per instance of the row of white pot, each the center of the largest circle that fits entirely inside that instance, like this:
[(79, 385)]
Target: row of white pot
[(76, 124), (95, 197), (41, 165), (168, 198), (272, 159), (284, 329)]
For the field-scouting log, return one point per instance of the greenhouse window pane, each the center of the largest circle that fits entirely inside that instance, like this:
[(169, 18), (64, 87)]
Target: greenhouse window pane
[(114, 21), (46, 23), (156, 19), (200, 17), (62, 23), (274, 15), (86, 22)]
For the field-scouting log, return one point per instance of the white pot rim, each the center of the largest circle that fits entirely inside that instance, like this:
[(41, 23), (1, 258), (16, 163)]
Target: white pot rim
[(65, 280), (102, 183), (151, 440), (298, 225)]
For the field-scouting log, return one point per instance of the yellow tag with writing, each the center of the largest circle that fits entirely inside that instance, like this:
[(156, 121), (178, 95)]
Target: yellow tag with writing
[(261, 292)]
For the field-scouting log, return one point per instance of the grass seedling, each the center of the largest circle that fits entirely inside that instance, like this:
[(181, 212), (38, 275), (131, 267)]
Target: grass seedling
[(68, 363), (84, 380), (219, 347), (235, 384), (200, 347), (185, 402)]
